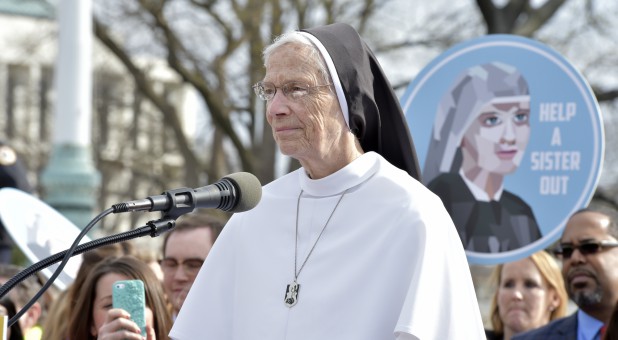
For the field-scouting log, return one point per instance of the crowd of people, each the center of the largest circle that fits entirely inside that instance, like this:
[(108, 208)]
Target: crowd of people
[(350, 246), (84, 310), (529, 301)]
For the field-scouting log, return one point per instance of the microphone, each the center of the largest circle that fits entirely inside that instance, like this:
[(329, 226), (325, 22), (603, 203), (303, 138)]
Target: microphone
[(237, 192)]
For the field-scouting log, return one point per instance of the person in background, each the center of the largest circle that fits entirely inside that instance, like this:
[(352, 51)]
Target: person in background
[(185, 248), (12, 175), (21, 294), (7, 308), (55, 325), (529, 293), (351, 245), (93, 317), (150, 255), (588, 249)]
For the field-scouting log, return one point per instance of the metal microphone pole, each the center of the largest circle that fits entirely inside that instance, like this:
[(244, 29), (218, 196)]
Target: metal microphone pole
[(153, 228)]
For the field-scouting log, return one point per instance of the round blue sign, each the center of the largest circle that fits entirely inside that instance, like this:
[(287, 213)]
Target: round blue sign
[(509, 135)]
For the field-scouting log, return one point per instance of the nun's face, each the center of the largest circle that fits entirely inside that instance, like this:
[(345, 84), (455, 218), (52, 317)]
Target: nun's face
[(496, 140), (309, 127)]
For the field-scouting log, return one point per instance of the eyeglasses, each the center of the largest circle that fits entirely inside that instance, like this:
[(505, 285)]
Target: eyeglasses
[(292, 90), (190, 267), (565, 251)]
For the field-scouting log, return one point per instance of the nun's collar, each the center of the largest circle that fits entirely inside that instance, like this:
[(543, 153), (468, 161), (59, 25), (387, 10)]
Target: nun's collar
[(345, 178)]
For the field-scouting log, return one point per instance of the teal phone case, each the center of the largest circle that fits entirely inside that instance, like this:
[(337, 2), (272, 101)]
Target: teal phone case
[(129, 295)]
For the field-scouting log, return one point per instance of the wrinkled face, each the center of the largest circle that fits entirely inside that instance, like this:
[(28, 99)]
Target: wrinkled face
[(103, 301), (185, 253), (525, 300), (592, 279), (497, 138), (309, 127)]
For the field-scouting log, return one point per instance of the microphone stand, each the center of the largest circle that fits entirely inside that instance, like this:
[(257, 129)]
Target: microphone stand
[(153, 228)]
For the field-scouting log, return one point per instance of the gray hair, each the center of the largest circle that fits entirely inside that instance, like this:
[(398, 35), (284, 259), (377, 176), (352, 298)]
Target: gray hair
[(296, 37)]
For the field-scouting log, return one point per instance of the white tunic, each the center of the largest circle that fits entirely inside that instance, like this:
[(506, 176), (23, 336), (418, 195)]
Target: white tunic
[(388, 265)]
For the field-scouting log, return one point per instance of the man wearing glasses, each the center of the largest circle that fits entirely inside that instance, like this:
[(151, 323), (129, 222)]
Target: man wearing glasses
[(184, 250), (589, 253)]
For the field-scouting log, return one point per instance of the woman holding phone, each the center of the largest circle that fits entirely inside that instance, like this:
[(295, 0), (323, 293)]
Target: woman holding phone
[(93, 317)]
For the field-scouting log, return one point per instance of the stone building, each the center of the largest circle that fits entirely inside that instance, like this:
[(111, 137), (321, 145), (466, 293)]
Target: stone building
[(132, 148)]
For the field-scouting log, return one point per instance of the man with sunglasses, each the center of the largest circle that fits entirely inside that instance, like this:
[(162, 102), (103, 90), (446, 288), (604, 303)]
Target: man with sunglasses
[(185, 248), (588, 249)]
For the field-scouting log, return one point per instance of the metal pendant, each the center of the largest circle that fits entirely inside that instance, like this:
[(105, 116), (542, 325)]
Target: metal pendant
[(291, 294)]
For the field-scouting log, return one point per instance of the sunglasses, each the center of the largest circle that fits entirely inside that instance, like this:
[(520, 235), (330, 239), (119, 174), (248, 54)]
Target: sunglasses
[(565, 251)]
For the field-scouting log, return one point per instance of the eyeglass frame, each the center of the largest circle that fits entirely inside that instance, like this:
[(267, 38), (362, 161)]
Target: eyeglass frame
[(596, 247), (287, 93), (186, 269)]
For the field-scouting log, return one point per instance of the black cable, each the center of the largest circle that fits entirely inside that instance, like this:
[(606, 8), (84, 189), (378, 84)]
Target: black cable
[(152, 228), (46, 262)]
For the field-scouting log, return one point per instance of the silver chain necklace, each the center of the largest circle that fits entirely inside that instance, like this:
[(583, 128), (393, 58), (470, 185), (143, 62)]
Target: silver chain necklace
[(291, 292)]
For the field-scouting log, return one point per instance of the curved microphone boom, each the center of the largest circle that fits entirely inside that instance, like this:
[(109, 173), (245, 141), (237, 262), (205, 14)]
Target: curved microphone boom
[(236, 192)]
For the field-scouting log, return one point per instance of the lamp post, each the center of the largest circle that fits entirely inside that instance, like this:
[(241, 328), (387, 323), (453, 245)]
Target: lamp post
[(70, 181)]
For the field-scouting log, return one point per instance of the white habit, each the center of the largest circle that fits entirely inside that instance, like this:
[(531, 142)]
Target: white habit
[(389, 265)]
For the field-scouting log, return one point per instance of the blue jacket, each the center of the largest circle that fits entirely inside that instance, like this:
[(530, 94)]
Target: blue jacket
[(560, 329)]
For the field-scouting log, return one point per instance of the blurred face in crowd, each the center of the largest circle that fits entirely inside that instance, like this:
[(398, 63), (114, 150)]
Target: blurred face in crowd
[(185, 252), (525, 299), (103, 301), (590, 272), (29, 319)]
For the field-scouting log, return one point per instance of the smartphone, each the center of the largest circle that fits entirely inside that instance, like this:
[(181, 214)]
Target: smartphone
[(129, 295)]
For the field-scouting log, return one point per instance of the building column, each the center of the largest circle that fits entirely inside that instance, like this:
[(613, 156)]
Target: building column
[(70, 181)]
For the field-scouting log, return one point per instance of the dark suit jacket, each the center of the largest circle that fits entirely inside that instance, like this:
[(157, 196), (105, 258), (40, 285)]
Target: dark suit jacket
[(491, 335), (560, 329)]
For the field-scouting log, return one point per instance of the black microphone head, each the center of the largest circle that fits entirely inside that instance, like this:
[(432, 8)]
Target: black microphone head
[(249, 190)]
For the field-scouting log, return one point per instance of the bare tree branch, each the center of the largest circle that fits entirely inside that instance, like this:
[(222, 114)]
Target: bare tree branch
[(606, 96), (517, 16), (602, 196), (536, 18), (142, 82), (215, 99)]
